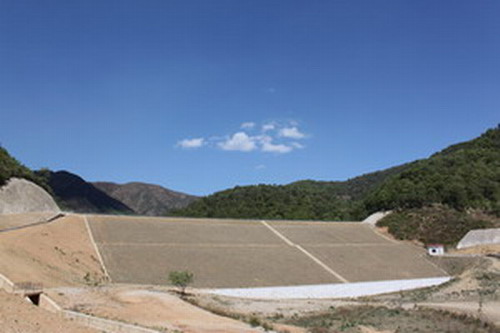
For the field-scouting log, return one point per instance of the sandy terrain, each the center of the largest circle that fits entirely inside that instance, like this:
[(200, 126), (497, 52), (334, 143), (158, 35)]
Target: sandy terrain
[(17, 220), (19, 316), (55, 254), (153, 308)]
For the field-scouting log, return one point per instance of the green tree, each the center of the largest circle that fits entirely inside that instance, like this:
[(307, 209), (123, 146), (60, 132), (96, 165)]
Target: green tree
[(181, 279)]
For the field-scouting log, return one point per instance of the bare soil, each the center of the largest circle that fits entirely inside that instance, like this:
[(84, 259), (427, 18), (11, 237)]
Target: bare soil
[(17, 220), (155, 308), (19, 316), (55, 254)]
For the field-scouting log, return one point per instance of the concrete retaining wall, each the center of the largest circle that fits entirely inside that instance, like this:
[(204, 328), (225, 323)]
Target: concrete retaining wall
[(339, 290), (109, 326), (48, 220), (480, 237), (48, 304), (105, 325), (6, 284)]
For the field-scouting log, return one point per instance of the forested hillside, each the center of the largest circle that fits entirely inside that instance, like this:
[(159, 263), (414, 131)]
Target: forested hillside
[(466, 175), (303, 200)]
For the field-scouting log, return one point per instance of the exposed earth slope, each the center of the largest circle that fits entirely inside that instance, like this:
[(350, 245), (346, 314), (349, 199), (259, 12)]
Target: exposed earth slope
[(146, 199), (55, 254)]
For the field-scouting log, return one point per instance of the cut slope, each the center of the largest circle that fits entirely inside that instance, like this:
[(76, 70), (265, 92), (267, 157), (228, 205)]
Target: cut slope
[(146, 199), (23, 196)]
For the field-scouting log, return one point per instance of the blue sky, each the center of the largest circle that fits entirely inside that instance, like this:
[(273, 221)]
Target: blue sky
[(199, 96)]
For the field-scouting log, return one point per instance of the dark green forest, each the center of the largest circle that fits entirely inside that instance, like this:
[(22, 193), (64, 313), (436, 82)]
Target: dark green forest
[(466, 175), (462, 176), (303, 200)]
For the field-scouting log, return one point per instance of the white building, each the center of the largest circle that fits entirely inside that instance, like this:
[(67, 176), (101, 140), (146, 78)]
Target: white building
[(435, 249)]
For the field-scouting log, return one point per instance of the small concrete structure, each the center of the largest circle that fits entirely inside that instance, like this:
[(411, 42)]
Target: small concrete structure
[(435, 249), (480, 237)]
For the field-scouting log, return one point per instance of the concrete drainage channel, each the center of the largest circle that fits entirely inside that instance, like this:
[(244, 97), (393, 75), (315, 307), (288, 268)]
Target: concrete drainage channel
[(33, 292), (339, 290), (44, 221)]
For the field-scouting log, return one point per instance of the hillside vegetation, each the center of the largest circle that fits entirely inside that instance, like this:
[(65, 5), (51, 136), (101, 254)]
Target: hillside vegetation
[(303, 200), (10, 167), (466, 175), (433, 224)]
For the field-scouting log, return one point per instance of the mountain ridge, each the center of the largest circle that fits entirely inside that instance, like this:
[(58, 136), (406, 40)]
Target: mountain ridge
[(145, 198)]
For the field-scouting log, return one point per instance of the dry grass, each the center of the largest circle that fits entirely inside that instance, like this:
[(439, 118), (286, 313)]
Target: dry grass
[(379, 318)]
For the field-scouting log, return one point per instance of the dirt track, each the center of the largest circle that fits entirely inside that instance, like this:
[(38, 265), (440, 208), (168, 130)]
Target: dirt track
[(148, 308)]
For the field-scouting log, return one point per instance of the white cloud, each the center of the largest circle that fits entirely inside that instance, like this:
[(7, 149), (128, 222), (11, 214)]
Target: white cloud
[(239, 142), (248, 125), (268, 127), (260, 167), (291, 132), (191, 143), (269, 147), (279, 137)]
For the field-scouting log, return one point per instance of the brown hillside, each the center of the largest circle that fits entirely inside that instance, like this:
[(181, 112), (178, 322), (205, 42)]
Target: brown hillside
[(146, 199)]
